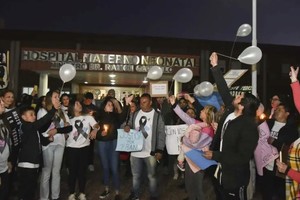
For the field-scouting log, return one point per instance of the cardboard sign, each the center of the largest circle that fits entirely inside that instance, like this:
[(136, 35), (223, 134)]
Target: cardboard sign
[(173, 138), (130, 142)]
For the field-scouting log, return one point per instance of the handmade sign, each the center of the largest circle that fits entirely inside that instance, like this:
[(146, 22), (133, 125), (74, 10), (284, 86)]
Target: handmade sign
[(173, 138), (130, 142)]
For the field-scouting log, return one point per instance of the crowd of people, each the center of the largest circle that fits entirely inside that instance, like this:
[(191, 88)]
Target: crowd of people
[(64, 132)]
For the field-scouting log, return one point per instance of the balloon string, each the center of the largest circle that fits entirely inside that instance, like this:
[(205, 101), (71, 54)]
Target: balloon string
[(229, 64), (140, 86), (62, 87), (171, 87), (227, 56)]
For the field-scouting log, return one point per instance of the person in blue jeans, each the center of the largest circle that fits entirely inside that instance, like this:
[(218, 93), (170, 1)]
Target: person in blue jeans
[(109, 122), (151, 124)]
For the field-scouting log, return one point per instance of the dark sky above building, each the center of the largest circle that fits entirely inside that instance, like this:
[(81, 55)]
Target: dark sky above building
[(278, 21)]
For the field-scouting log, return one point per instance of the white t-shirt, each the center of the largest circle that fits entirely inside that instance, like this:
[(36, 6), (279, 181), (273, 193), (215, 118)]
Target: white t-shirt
[(79, 136), (148, 128), (59, 139), (230, 117), (274, 134)]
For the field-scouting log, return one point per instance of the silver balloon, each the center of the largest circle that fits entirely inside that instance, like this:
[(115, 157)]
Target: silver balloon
[(155, 73), (244, 30), (197, 90), (251, 55), (184, 75), (204, 89), (67, 72)]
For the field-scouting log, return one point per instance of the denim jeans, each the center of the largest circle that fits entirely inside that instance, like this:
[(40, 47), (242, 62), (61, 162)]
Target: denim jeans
[(109, 158), (137, 166)]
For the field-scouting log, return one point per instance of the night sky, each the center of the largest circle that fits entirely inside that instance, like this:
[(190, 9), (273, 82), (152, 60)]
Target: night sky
[(278, 21)]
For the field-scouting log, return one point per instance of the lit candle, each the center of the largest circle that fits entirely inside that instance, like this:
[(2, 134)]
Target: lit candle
[(105, 126), (280, 156), (262, 116)]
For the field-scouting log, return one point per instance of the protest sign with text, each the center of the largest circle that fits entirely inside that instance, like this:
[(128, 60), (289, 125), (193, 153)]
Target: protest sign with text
[(130, 141)]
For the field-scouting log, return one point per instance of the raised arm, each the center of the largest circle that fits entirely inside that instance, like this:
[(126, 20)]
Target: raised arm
[(295, 87), (183, 116), (220, 81)]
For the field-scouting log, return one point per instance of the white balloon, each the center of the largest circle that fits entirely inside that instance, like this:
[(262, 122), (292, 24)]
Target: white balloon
[(155, 73), (197, 90), (67, 72), (184, 75), (244, 30), (204, 89), (251, 55)]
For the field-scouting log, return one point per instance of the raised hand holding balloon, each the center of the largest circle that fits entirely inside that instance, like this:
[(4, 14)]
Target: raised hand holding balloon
[(66, 72)]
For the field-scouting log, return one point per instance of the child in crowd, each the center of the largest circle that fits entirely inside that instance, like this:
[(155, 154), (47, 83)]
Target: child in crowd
[(84, 128), (30, 152), (197, 134)]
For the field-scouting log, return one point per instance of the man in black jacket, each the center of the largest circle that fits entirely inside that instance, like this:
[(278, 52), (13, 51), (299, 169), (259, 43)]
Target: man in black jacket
[(235, 140)]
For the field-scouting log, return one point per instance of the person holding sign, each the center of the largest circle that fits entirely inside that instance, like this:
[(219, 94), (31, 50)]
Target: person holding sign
[(110, 120), (291, 169), (152, 126)]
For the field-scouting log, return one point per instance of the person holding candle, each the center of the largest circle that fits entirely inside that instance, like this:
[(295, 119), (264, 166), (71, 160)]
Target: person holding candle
[(283, 132), (292, 169), (109, 121)]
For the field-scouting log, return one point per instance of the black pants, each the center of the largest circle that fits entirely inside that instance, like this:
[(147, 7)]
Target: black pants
[(28, 182), (272, 185), (77, 163), (4, 185)]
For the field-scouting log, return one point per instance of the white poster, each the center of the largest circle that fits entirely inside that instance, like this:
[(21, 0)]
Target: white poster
[(173, 138)]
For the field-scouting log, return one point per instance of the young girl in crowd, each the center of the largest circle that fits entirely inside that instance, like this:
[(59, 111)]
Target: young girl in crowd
[(110, 121), (84, 128)]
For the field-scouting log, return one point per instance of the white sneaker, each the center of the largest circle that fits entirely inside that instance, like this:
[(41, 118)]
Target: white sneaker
[(91, 168), (81, 196), (72, 197)]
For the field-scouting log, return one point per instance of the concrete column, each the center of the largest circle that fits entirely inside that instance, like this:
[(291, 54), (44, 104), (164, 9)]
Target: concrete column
[(177, 87), (43, 84)]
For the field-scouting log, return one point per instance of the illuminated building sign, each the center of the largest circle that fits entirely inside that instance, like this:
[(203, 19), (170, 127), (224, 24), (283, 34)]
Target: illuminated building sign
[(107, 62)]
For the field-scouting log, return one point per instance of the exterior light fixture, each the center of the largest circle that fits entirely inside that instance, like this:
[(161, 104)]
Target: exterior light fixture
[(112, 75)]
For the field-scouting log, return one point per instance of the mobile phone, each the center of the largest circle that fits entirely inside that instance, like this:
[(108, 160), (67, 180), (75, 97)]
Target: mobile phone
[(35, 88)]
